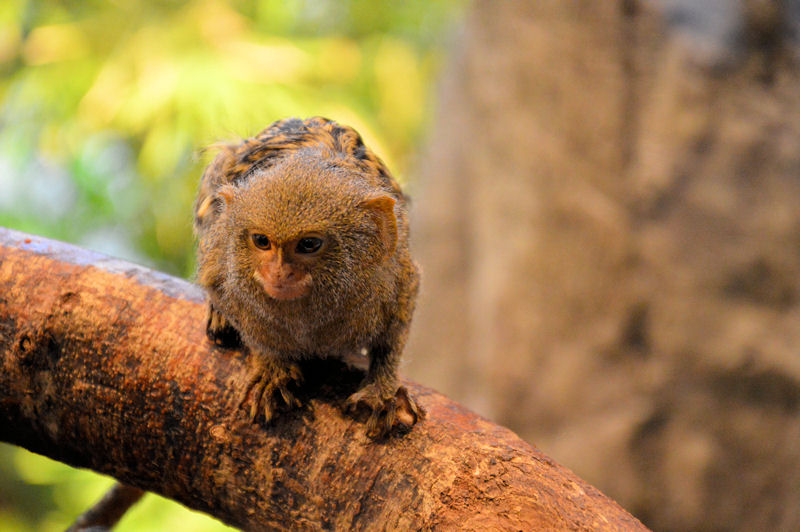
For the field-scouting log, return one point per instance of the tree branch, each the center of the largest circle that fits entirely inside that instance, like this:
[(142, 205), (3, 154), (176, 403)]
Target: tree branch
[(105, 365)]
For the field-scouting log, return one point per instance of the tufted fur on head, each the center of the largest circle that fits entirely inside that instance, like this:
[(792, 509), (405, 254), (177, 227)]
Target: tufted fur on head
[(236, 161)]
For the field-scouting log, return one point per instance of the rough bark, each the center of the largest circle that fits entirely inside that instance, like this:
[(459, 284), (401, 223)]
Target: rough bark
[(105, 365), (608, 225)]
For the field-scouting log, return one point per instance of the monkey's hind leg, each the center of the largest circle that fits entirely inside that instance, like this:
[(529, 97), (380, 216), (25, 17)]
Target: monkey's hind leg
[(269, 389), (220, 331)]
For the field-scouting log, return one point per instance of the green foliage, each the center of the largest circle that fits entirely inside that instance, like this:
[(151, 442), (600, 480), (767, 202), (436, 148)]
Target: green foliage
[(42, 495), (105, 108)]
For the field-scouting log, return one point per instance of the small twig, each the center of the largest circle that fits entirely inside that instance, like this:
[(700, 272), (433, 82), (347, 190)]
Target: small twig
[(108, 510)]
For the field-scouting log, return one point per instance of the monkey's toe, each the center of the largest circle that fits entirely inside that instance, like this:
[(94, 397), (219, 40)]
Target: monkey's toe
[(386, 415)]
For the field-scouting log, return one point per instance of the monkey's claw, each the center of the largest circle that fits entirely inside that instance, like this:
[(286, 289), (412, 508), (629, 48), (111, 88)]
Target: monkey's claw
[(387, 413), (269, 390)]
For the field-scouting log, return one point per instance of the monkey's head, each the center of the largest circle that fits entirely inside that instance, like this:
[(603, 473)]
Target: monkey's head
[(309, 224)]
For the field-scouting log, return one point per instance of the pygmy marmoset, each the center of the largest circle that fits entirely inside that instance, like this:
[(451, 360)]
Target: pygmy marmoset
[(303, 250)]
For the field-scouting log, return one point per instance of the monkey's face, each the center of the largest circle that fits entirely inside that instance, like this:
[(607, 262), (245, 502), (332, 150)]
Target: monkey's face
[(284, 269), (307, 227)]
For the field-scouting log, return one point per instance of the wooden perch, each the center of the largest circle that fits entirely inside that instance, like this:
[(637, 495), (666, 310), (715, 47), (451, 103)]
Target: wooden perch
[(105, 365)]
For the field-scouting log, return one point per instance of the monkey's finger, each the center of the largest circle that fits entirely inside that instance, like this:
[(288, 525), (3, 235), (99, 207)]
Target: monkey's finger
[(390, 415), (295, 373), (375, 428), (354, 402), (256, 393), (269, 411), (288, 397), (259, 398), (408, 411), (254, 407)]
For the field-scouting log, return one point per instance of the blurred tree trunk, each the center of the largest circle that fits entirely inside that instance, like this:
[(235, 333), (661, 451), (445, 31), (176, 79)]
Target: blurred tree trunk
[(609, 225)]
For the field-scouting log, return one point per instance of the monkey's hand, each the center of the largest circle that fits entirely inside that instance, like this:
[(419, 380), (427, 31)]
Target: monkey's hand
[(387, 412), (220, 331), (269, 388)]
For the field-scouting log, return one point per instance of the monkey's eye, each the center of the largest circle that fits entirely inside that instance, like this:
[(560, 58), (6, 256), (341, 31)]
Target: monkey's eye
[(309, 244), (260, 241)]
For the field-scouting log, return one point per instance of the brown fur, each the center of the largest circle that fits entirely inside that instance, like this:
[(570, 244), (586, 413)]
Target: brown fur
[(295, 178)]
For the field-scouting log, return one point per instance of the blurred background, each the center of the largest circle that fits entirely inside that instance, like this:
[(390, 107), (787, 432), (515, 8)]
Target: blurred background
[(105, 108), (605, 208)]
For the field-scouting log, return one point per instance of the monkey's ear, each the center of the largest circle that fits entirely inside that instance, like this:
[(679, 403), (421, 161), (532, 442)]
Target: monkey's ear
[(214, 203), (382, 210), (226, 193)]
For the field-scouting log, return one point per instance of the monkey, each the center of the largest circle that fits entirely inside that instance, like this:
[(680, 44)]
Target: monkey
[(303, 251)]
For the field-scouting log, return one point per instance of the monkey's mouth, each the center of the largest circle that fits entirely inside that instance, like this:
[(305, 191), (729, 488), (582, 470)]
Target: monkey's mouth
[(286, 292), (285, 289)]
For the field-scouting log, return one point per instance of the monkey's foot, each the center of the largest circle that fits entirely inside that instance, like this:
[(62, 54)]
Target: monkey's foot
[(387, 413), (269, 388), (220, 331)]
